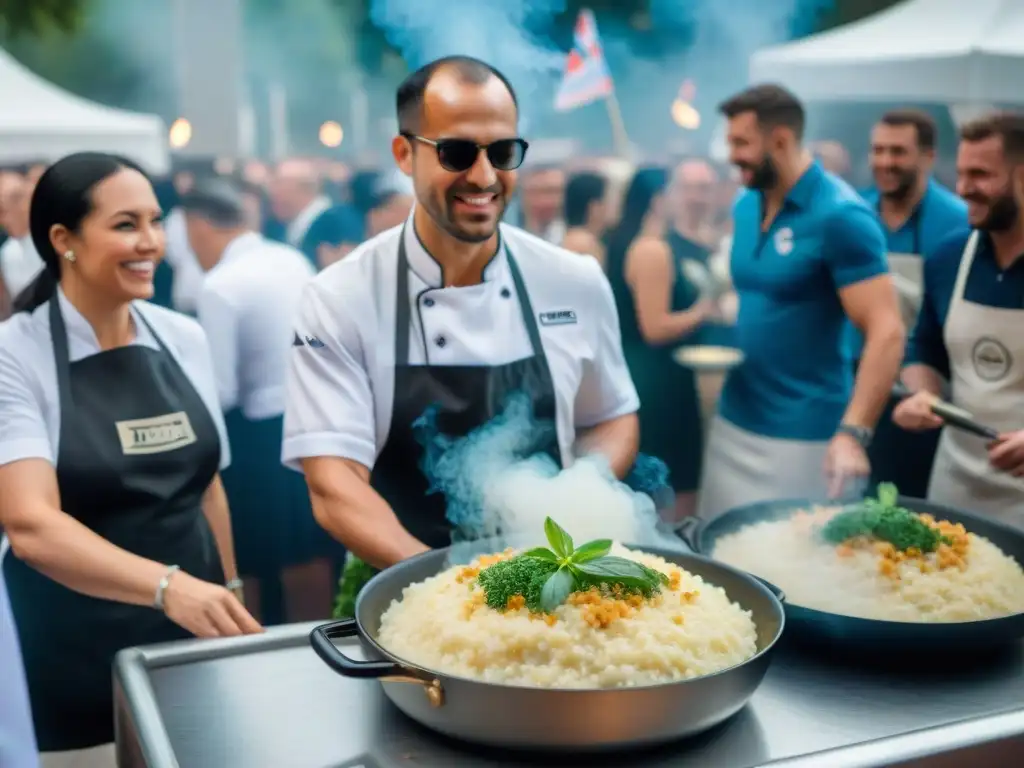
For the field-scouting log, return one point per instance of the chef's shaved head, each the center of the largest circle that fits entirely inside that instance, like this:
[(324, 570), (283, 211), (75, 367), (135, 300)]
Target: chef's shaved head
[(464, 69)]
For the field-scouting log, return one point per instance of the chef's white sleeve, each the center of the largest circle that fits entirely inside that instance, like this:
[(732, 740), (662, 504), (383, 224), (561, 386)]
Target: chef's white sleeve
[(606, 390), (23, 429), (329, 407), (220, 322)]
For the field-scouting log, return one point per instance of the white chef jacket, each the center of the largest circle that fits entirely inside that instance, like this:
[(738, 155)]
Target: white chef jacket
[(29, 400), (247, 306), (188, 274), (17, 738), (19, 264), (341, 379)]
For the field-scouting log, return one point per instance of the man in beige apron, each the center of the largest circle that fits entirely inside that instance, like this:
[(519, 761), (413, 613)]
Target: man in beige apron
[(982, 336), (807, 256)]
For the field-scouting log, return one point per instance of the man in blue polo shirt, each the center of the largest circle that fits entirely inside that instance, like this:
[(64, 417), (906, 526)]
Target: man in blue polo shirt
[(807, 254), (971, 329), (917, 213)]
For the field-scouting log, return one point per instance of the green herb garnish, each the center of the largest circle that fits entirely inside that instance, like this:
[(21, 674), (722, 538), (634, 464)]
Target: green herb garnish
[(546, 577), (883, 518)]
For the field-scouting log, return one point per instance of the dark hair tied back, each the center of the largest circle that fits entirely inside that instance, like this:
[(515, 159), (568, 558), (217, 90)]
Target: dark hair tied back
[(63, 196)]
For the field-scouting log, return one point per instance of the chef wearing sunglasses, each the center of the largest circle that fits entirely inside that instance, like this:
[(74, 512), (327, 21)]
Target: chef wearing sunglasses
[(452, 310)]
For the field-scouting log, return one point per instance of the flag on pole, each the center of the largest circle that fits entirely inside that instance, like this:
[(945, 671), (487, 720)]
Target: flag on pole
[(586, 77)]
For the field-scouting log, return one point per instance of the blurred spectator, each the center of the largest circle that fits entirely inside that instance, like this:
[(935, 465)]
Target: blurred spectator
[(393, 201), (542, 193), (586, 215), (833, 157), (19, 261), (322, 231)]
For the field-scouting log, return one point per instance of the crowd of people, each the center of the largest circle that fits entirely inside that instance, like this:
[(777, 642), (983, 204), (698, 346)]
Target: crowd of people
[(176, 349)]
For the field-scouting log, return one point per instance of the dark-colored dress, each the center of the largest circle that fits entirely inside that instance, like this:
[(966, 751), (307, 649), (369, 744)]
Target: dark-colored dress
[(670, 416)]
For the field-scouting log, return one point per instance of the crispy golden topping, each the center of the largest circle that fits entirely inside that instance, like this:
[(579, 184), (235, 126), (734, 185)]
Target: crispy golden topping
[(947, 555)]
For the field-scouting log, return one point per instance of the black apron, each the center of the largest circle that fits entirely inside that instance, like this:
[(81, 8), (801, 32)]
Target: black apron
[(138, 486), (466, 397)]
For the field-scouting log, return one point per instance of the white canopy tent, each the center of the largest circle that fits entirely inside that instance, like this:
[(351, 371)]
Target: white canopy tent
[(940, 51), (38, 120)]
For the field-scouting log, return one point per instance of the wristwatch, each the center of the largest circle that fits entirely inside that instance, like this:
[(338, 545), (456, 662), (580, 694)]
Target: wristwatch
[(862, 435)]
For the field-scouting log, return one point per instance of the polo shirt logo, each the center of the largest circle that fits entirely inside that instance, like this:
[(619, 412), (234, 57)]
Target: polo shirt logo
[(559, 317), (991, 359), (159, 434), (784, 241)]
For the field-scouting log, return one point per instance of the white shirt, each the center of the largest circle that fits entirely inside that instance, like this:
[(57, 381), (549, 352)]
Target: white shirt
[(29, 401), (299, 226), (188, 274), (19, 264), (247, 306), (341, 388)]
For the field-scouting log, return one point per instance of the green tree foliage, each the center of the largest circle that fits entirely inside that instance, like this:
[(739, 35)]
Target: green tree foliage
[(28, 17)]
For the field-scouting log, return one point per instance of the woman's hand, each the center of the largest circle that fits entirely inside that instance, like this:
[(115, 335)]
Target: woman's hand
[(205, 609)]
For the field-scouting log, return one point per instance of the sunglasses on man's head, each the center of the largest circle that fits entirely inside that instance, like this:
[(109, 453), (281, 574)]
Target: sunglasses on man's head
[(458, 155)]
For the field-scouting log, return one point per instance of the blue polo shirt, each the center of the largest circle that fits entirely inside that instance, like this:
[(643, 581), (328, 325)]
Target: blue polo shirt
[(986, 284), (939, 213), (795, 381)]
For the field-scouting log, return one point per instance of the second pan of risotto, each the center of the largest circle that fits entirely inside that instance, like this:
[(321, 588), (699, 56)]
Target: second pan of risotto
[(889, 569)]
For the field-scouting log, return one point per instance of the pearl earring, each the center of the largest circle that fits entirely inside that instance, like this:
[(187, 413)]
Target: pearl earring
[(70, 255)]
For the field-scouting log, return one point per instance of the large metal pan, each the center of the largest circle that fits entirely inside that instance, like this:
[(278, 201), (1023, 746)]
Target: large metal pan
[(869, 635), (527, 718)]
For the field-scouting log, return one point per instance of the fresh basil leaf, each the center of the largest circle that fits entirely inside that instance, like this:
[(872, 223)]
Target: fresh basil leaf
[(557, 588), (541, 553), (592, 550), (561, 542), (618, 570)]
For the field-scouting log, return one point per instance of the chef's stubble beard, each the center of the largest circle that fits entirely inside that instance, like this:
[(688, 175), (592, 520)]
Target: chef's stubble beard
[(907, 184), (1003, 214), (447, 222)]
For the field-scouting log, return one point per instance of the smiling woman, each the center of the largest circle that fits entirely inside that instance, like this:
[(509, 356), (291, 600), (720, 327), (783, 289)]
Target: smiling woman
[(109, 456)]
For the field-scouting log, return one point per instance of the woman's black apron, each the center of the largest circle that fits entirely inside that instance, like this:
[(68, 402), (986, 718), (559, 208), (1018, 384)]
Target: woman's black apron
[(465, 397), (138, 448)]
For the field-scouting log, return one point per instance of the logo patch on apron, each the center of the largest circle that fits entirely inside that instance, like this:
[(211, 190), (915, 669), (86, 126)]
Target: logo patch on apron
[(992, 360), (561, 317), (159, 434)]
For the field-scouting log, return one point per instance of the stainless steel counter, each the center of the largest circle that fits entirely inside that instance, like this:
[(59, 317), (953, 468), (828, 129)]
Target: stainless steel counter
[(269, 702)]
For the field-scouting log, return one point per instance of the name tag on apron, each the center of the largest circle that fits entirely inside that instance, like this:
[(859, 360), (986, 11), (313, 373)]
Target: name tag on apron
[(158, 434)]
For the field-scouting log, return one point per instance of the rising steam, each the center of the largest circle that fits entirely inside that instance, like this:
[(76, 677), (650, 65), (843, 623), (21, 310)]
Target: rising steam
[(499, 491)]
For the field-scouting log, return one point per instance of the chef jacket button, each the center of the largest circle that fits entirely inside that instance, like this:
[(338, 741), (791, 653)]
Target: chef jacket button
[(428, 302), (505, 293), (440, 341)]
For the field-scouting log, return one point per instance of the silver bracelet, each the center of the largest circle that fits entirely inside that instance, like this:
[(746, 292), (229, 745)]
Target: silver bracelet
[(158, 600), (234, 585)]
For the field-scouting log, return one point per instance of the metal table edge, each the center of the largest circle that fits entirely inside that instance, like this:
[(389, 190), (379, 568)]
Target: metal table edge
[(131, 673), (132, 665)]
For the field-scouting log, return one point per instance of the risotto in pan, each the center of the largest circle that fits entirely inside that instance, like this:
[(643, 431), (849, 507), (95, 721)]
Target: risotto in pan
[(880, 562), (600, 616)]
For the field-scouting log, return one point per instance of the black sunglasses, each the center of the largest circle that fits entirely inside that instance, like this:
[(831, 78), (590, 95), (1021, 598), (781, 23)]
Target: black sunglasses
[(458, 155)]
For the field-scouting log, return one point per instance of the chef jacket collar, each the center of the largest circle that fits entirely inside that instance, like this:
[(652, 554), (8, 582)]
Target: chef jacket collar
[(429, 270), (238, 246), (82, 340)]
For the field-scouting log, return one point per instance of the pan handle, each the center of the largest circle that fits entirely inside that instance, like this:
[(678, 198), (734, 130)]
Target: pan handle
[(779, 594), (689, 531), (385, 671)]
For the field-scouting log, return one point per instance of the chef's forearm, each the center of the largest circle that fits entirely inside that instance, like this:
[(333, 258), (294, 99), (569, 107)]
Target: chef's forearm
[(215, 509), (922, 378), (347, 507), (616, 440), (877, 372)]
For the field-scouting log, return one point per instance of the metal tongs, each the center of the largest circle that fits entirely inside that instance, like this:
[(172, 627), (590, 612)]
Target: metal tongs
[(949, 413)]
